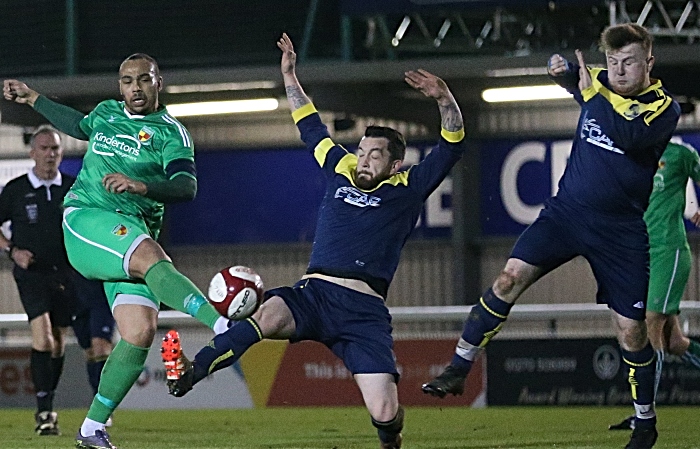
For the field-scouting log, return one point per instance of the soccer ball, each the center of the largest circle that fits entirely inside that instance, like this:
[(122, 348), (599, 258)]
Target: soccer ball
[(236, 292)]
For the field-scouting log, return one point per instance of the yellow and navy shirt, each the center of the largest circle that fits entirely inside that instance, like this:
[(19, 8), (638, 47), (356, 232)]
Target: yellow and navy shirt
[(617, 145), (360, 233)]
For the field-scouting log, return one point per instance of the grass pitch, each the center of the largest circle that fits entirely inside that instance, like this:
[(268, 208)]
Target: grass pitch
[(350, 428)]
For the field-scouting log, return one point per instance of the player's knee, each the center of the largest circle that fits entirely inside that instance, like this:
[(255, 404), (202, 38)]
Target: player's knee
[(633, 338), (141, 335), (146, 254), (390, 428), (506, 282), (274, 318)]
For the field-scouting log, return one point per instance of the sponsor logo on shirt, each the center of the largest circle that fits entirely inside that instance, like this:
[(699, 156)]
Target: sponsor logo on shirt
[(117, 145), (120, 230), (145, 135), (592, 133), (356, 197), (632, 112)]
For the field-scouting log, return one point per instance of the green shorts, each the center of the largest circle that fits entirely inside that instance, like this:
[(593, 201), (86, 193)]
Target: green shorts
[(99, 244), (668, 275)]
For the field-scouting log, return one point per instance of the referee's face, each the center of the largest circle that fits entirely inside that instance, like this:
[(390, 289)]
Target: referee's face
[(47, 154)]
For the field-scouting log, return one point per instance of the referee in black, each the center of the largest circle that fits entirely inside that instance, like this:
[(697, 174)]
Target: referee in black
[(33, 203)]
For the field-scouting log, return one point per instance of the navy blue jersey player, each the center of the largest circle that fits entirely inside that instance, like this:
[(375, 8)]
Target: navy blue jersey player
[(368, 211), (626, 120)]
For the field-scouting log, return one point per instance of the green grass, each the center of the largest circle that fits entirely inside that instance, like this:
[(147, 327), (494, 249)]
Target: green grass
[(350, 428)]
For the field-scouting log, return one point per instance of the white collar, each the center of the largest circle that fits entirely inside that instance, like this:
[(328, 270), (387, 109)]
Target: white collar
[(36, 182), (130, 115)]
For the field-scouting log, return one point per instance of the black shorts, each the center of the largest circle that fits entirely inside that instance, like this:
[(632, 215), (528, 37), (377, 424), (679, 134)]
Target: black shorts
[(43, 291)]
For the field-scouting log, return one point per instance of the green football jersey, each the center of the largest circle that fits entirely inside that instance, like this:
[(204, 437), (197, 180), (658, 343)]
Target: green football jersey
[(137, 146), (664, 216)]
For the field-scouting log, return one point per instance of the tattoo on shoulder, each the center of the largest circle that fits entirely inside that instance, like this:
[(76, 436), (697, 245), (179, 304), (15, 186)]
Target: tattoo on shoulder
[(296, 96)]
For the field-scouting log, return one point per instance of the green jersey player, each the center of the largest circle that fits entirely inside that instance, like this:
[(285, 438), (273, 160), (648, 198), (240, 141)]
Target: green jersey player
[(139, 157), (670, 258)]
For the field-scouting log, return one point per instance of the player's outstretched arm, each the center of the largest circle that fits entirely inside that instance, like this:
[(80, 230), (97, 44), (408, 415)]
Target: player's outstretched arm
[(434, 87), (295, 94), (64, 118)]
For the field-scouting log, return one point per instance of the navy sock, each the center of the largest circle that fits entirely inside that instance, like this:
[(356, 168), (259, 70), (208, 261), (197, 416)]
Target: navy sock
[(42, 377), (94, 371), (224, 349), (483, 323), (641, 366)]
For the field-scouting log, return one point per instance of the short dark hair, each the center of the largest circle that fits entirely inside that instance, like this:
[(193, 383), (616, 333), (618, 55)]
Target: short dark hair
[(615, 37), (397, 144), (144, 56), (43, 129)]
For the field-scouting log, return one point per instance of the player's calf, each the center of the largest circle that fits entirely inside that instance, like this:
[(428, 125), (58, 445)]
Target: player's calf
[(390, 431)]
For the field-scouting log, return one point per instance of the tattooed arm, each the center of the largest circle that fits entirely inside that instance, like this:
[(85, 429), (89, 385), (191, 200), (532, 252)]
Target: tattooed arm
[(295, 94), (432, 86)]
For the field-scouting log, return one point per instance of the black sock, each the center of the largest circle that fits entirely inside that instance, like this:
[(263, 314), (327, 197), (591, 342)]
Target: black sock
[(42, 377)]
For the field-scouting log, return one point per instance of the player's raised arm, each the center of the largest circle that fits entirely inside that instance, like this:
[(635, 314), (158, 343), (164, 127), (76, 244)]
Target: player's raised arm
[(434, 87), (295, 94), (63, 117), (19, 92)]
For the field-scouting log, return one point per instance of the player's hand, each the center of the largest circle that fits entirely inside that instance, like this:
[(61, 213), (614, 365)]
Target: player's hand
[(583, 73), (695, 219), (119, 183), (19, 92), (289, 58), (429, 84), (557, 65), (22, 257)]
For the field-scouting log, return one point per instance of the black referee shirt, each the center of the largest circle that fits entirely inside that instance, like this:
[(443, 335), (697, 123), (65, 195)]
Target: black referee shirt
[(35, 210)]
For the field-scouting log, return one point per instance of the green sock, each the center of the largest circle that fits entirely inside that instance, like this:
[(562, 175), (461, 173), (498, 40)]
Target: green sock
[(121, 370), (173, 289)]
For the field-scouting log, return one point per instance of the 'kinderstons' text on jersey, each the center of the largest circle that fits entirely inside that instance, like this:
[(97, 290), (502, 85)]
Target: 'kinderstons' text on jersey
[(151, 148), (360, 233)]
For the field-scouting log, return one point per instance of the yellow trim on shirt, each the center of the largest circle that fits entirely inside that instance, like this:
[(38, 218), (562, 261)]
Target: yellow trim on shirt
[(303, 111), (628, 107), (347, 165), (322, 149), (452, 136)]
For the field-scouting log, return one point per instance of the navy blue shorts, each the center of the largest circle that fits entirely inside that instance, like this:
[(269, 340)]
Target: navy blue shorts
[(616, 249), (355, 326), (92, 317)]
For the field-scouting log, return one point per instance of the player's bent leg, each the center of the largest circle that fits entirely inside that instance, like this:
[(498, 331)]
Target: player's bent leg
[(272, 320), (485, 320), (170, 286), (380, 395)]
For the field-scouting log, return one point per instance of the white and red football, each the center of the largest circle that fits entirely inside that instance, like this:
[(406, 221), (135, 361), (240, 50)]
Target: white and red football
[(236, 292)]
